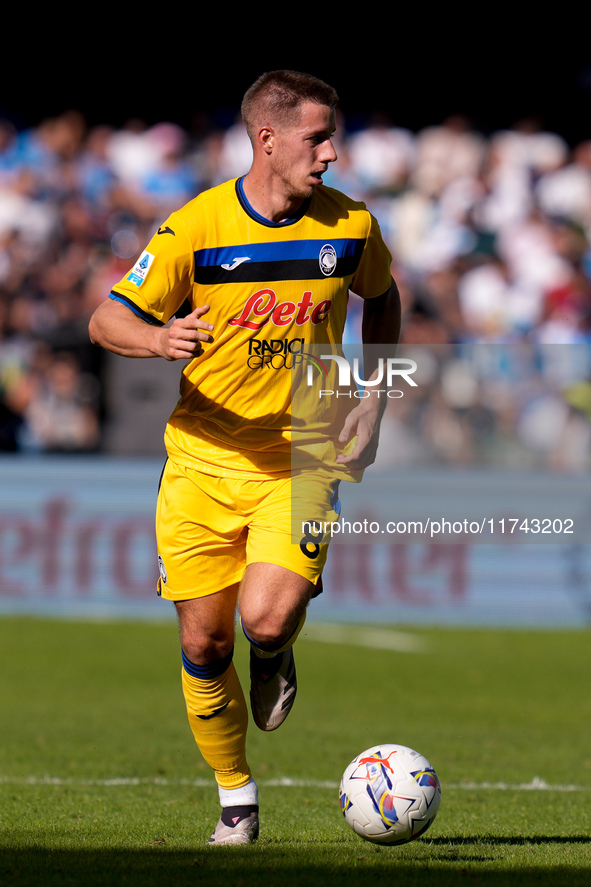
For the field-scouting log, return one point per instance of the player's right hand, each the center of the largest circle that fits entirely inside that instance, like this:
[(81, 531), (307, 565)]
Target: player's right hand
[(182, 340)]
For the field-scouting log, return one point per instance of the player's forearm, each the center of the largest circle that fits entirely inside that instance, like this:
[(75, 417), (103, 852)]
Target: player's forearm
[(381, 319), (381, 326), (115, 328)]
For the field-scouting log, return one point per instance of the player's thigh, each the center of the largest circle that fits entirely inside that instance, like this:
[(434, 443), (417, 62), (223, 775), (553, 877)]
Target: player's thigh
[(201, 536), (272, 600), (291, 527)]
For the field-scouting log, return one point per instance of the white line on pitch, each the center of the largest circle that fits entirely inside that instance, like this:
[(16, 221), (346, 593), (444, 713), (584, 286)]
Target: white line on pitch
[(375, 638), (536, 784)]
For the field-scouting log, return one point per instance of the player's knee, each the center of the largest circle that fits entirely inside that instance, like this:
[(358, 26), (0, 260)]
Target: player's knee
[(265, 639), (271, 615), (266, 630), (205, 649)]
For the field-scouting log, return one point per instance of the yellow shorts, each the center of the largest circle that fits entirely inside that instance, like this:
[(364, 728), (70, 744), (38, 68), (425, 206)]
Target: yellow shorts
[(209, 528)]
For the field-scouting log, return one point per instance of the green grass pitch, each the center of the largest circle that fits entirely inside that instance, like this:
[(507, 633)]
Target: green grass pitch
[(101, 783)]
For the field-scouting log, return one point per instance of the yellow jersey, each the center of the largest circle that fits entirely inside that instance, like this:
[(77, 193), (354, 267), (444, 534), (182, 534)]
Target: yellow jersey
[(273, 290)]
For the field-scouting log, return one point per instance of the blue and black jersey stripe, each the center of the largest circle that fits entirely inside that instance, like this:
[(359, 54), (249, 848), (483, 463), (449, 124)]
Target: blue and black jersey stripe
[(148, 318), (283, 260)]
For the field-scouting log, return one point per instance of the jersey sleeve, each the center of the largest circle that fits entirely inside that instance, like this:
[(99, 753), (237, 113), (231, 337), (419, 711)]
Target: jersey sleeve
[(161, 279), (373, 276)]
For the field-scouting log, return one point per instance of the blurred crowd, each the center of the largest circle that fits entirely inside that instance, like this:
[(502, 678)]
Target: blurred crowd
[(490, 236)]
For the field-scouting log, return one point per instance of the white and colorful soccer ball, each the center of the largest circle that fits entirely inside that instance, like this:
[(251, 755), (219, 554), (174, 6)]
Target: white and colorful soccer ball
[(390, 794)]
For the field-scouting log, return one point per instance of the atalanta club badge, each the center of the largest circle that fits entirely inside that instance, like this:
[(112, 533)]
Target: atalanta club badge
[(328, 259)]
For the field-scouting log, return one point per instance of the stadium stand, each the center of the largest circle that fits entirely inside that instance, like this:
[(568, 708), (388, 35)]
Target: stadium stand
[(490, 236)]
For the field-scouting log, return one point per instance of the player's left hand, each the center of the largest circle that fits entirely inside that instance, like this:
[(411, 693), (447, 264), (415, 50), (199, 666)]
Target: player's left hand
[(362, 422)]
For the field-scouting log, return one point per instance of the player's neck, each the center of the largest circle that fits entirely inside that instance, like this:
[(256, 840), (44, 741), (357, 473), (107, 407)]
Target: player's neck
[(268, 201)]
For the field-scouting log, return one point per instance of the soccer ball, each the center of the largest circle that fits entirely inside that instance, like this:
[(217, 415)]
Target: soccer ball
[(390, 794)]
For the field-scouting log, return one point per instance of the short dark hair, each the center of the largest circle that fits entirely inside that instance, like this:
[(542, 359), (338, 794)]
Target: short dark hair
[(277, 95)]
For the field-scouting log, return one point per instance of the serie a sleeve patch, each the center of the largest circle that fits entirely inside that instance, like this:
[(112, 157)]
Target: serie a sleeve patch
[(139, 272)]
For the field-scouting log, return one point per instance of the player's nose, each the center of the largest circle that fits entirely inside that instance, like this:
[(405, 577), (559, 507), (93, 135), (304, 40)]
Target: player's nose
[(329, 154)]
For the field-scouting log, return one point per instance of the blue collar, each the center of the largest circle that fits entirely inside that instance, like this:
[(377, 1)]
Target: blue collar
[(261, 219)]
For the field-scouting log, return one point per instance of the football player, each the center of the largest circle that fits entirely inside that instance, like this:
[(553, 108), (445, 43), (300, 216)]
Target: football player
[(265, 264)]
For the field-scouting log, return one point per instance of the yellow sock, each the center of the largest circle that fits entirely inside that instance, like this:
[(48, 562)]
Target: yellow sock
[(218, 718)]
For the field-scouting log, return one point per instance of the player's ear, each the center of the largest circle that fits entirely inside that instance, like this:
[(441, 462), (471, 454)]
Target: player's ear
[(266, 137)]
